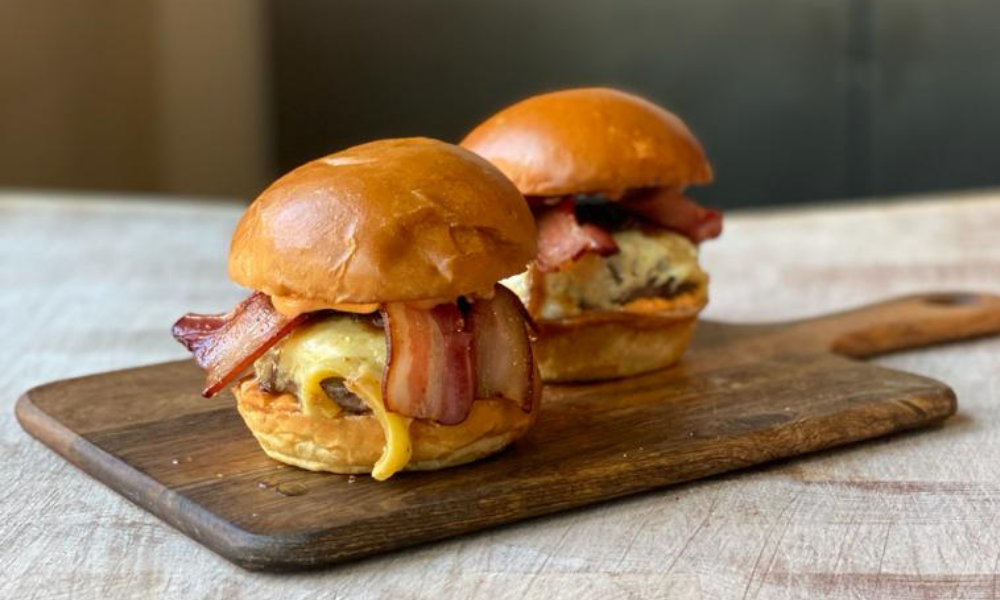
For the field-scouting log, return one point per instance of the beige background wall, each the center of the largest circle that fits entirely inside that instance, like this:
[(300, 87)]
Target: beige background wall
[(156, 95)]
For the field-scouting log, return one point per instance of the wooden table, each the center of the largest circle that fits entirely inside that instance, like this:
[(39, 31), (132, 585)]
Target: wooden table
[(92, 284)]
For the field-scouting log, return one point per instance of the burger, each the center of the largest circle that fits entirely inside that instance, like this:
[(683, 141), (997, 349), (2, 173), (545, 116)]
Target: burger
[(616, 287), (377, 339)]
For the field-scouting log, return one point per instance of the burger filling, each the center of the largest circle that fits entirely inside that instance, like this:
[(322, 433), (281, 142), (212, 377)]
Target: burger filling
[(334, 365), (649, 263), (339, 365), (595, 254), (316, 360)]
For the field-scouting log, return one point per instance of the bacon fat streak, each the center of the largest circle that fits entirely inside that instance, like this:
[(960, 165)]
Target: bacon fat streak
[(226, 345), (443, 359), (671, 209), (562, 239), (429, 371)]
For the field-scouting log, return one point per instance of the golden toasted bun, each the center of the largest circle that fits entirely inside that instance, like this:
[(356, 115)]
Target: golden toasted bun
[(353, 443), (608, 345), (591, 140), (392, 220)]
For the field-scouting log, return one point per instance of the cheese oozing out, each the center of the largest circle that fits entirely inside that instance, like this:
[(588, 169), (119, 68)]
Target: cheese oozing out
[(348, 348), (646, 259)]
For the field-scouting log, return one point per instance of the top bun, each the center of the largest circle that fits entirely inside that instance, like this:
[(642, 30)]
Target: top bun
[(391, 220), (590, 140)]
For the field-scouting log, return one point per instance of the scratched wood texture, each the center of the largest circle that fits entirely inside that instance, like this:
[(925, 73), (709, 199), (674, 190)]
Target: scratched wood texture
[(744, 395), (86, 286)]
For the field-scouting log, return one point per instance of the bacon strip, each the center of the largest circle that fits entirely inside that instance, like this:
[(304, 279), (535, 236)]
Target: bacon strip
[(671, 209), (562, 239), (505, 366), (440, 360), (430, 370), (226, 345)]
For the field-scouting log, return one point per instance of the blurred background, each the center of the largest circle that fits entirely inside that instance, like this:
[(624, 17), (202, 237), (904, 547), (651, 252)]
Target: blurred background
[(794, 100)]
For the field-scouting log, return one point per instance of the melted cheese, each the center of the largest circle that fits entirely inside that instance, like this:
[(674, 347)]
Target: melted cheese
[(597, 282), (345, 347), (398, 448)]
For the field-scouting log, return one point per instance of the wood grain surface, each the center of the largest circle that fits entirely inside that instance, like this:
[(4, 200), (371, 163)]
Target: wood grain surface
[(747, 394), (87, 284)]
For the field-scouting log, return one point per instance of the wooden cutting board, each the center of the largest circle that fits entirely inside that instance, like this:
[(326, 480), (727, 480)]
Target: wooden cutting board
[(746, 394)]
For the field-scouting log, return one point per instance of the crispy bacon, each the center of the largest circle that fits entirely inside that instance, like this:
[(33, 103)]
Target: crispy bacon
[(440, 360), (226, 345), (671, 209), (430, 370), (562, 239), (505, 366)]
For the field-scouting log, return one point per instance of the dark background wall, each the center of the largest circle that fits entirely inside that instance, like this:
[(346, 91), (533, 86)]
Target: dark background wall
[(794, 100), (165, 96)]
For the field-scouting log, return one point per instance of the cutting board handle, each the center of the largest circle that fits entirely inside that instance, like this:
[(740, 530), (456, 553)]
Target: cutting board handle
[(898, 324)]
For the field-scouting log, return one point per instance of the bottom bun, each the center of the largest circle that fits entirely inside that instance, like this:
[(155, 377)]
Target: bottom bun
[(612, 344), (353, 443)]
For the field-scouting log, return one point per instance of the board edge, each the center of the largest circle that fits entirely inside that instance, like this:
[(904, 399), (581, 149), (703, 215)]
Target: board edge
[(298, 551), (931, 407), (245, 549)]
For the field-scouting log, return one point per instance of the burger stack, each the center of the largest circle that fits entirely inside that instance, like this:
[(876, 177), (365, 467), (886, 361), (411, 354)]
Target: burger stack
[(410, 295)]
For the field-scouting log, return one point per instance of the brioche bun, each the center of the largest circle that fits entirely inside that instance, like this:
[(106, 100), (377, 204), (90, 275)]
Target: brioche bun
[(599, 345), (391, 220), (599, 141), (590, 140), (353, 443)]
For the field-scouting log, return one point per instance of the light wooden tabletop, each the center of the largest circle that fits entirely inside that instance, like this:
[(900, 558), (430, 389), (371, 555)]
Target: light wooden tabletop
[(92, 284)]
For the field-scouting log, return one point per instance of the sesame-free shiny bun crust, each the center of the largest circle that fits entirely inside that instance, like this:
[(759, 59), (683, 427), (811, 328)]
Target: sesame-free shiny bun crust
[(391, 220), (601, 345), (590, 140), (353, 443)]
